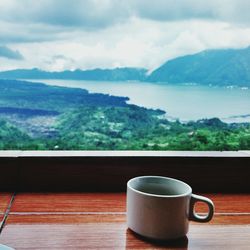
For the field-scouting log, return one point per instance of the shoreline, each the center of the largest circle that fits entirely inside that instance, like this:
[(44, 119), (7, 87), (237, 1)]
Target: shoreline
[(231, 119)]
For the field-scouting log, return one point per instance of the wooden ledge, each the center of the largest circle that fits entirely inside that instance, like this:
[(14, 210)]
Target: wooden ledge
[(98, 220)]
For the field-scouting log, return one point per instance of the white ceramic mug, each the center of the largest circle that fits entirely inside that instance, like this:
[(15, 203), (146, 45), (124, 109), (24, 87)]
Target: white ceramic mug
[(160, 207)]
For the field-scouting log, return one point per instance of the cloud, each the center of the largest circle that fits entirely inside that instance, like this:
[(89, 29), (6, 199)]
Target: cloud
[(96, 14), (10, 54), (233, 11), (30, 32), (63, 34), (173, 10), (60, 63), (137, 43), (48, 20), (89, 14)]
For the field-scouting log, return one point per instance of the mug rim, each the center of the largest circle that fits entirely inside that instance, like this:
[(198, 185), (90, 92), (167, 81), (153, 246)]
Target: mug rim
[(189, 192)]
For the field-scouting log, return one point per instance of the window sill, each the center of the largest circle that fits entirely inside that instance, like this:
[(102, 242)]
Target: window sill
[(65, 153), (110, 170)]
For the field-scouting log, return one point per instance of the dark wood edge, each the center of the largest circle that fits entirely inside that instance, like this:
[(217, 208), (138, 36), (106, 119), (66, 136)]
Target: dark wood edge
[(58, 173)]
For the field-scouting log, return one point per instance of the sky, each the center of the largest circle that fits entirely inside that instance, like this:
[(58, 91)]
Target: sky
[(56, 35)]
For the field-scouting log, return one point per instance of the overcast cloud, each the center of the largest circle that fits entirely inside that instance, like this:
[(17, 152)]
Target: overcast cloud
[(63, 34), (10, 54)]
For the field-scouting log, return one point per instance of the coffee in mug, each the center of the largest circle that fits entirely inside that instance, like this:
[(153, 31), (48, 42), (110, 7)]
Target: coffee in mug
[(161, 208)]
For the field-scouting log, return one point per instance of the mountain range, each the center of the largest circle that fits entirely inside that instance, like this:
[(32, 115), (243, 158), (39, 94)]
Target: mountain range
[(216, 67), (117, 74)]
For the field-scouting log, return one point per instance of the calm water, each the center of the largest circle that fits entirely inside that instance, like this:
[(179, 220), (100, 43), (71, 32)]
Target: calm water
[(179, 101)]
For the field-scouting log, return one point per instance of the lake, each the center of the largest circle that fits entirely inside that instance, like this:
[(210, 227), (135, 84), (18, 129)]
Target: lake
[(183, 102)]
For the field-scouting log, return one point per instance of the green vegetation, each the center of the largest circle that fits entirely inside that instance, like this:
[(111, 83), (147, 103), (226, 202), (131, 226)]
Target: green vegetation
[(128, 128), (134, 128), (39, 117), (218, 67), (11, 137)]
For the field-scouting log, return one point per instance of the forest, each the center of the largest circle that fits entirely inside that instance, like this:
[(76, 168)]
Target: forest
[(34, 116)]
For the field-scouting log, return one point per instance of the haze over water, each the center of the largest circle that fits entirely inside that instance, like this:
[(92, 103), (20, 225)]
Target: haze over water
[(179, 101)]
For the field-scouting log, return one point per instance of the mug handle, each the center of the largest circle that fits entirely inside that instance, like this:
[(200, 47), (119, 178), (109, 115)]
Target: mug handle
[(193, 215)]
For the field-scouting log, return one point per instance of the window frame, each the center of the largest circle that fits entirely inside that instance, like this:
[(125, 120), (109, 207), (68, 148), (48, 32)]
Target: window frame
[(108, 171)]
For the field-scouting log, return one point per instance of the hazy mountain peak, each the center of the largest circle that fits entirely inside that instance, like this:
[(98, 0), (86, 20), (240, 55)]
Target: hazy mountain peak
[(217, 66)]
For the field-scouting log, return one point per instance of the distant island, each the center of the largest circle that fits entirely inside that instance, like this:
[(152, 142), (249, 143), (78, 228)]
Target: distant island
[(217, 67)]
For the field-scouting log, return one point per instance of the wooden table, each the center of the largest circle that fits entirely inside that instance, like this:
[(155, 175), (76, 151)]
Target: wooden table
[(98, 221)]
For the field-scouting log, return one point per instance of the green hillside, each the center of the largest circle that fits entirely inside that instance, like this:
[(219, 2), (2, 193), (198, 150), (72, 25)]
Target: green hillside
[(35, 116), (218, 67)]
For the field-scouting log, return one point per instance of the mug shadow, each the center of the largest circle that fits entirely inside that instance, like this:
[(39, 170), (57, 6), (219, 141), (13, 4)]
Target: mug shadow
[(134, 240)]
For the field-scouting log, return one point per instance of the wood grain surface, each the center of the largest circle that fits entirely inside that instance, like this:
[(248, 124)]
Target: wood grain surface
[(4, 201), (69, 202), (111, 202), (114, 235), (50, 218), (98, 221)]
